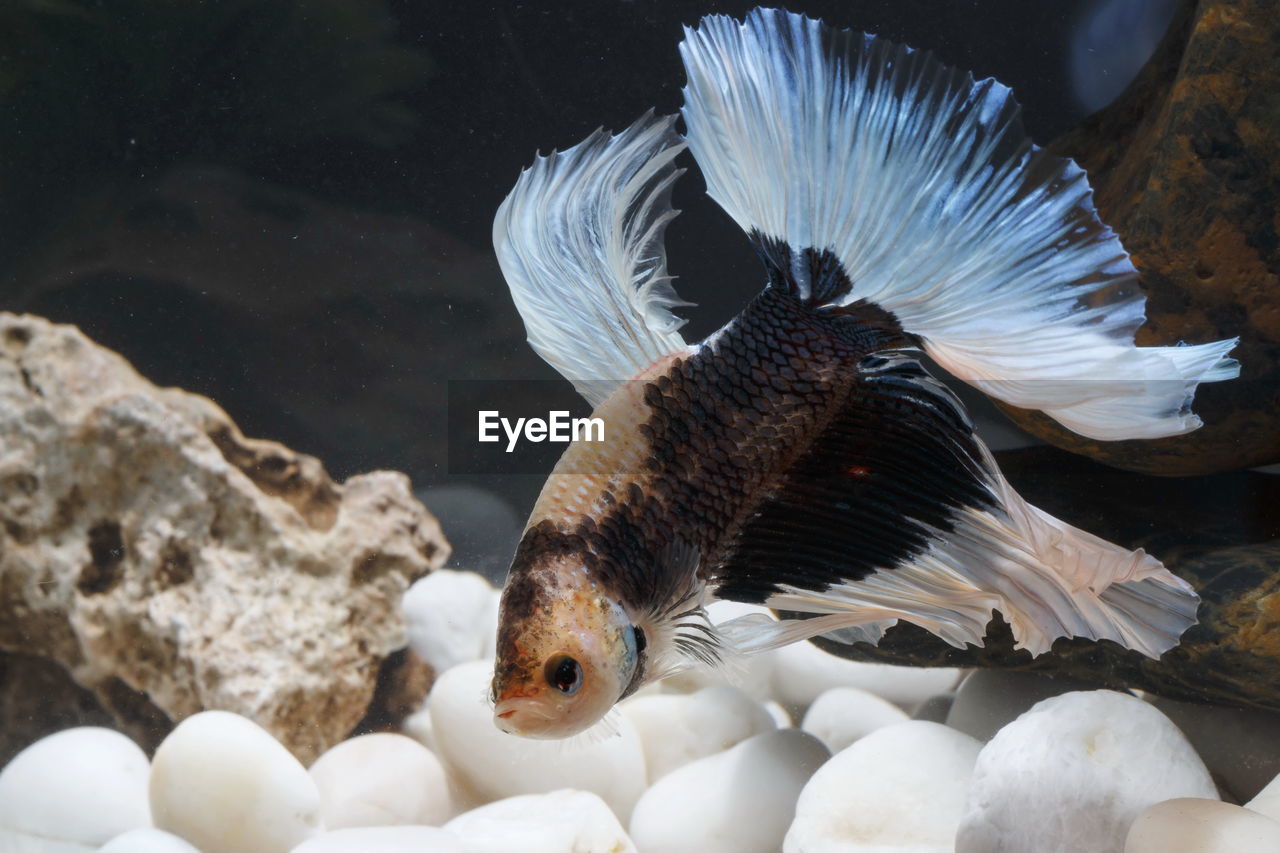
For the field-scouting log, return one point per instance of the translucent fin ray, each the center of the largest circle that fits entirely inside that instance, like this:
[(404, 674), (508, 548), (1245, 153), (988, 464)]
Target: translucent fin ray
[(579, 240), (897, 510), (924, 185)]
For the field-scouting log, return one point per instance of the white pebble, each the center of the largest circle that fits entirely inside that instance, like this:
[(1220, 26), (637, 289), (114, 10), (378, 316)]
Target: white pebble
[(738, 801), (565, 821), (781, 716), (418, 726), (842, 715), (900, 788), (987, 700), (802, 672), (1240, 746), (495, 765), (82, 786), (676, 729), (1267, 801), (147, 841), (384, 839), (21, 842), (381, 780), (227, 786), (934, 709), (1201, 826), (451, 617), (1074, 772)]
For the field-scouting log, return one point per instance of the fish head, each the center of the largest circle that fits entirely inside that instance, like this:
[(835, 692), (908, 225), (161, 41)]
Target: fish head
[(567, 652)]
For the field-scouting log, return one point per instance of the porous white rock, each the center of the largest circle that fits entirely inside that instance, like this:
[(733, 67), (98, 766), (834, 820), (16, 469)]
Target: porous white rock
[(81, 786), (1267, 802), (841, 715), (565, 821), (381, 780), (147, 841), (676, 729), (452, 618), (1189, 825), (171, 564), (385, 839), (1073, 773), (227, 786), (802, 672), (901, 788), (494, 765), (738, 801)]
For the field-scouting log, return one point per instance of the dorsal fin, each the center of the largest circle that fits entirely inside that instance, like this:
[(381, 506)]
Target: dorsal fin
[(815, 276), (922, 183)]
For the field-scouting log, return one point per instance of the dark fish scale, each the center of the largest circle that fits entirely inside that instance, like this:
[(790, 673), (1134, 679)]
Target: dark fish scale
[(752, 440)]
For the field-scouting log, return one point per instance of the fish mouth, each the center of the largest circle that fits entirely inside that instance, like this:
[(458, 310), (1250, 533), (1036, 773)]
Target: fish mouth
[(521, 716)]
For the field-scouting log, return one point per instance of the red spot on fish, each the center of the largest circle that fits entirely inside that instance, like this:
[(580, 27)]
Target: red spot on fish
[(858, 471)]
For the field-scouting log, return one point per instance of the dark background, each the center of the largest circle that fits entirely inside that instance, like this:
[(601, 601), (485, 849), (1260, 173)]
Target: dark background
[(286, 204)]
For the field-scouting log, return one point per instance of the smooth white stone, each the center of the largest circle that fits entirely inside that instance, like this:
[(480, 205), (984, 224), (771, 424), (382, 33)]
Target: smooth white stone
[(1240, 746), (989, 699), (83, 786), (565, 821), (1268, 800), (489, 627), (676, 729), (738, 801), (21, 842), (451, 616), (752, 674), (381, 780), (934, 709), (495, 765), (1073, 773), (227, 786), (384, 839), (900, 788), (147, 841), (1201, 826), (802, 672), (418, 726), (781, 716), (842, 715)]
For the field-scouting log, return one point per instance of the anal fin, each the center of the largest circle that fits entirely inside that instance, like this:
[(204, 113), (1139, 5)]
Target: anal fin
[(898, 511)]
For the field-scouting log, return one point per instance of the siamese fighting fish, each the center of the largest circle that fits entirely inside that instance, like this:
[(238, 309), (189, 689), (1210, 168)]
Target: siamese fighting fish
[(802, 457)]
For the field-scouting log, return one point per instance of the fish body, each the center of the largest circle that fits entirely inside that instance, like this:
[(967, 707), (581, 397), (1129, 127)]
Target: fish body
[(802, 457)]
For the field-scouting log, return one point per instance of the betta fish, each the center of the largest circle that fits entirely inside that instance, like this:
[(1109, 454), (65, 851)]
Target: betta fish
[(802, 457)]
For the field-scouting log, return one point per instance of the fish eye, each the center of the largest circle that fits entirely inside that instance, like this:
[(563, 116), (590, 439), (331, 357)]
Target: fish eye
[(564, 674)]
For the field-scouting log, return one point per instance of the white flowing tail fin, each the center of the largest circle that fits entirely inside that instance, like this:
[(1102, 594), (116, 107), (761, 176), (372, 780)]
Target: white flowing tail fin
[(924, 185)]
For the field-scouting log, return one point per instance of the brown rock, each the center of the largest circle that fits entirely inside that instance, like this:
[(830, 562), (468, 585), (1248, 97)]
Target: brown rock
[(38, 698), (171, 565), (1184, 168)]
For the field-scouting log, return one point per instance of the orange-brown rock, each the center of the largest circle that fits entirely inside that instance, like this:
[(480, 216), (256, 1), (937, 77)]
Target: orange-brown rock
[(1184, 168)]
